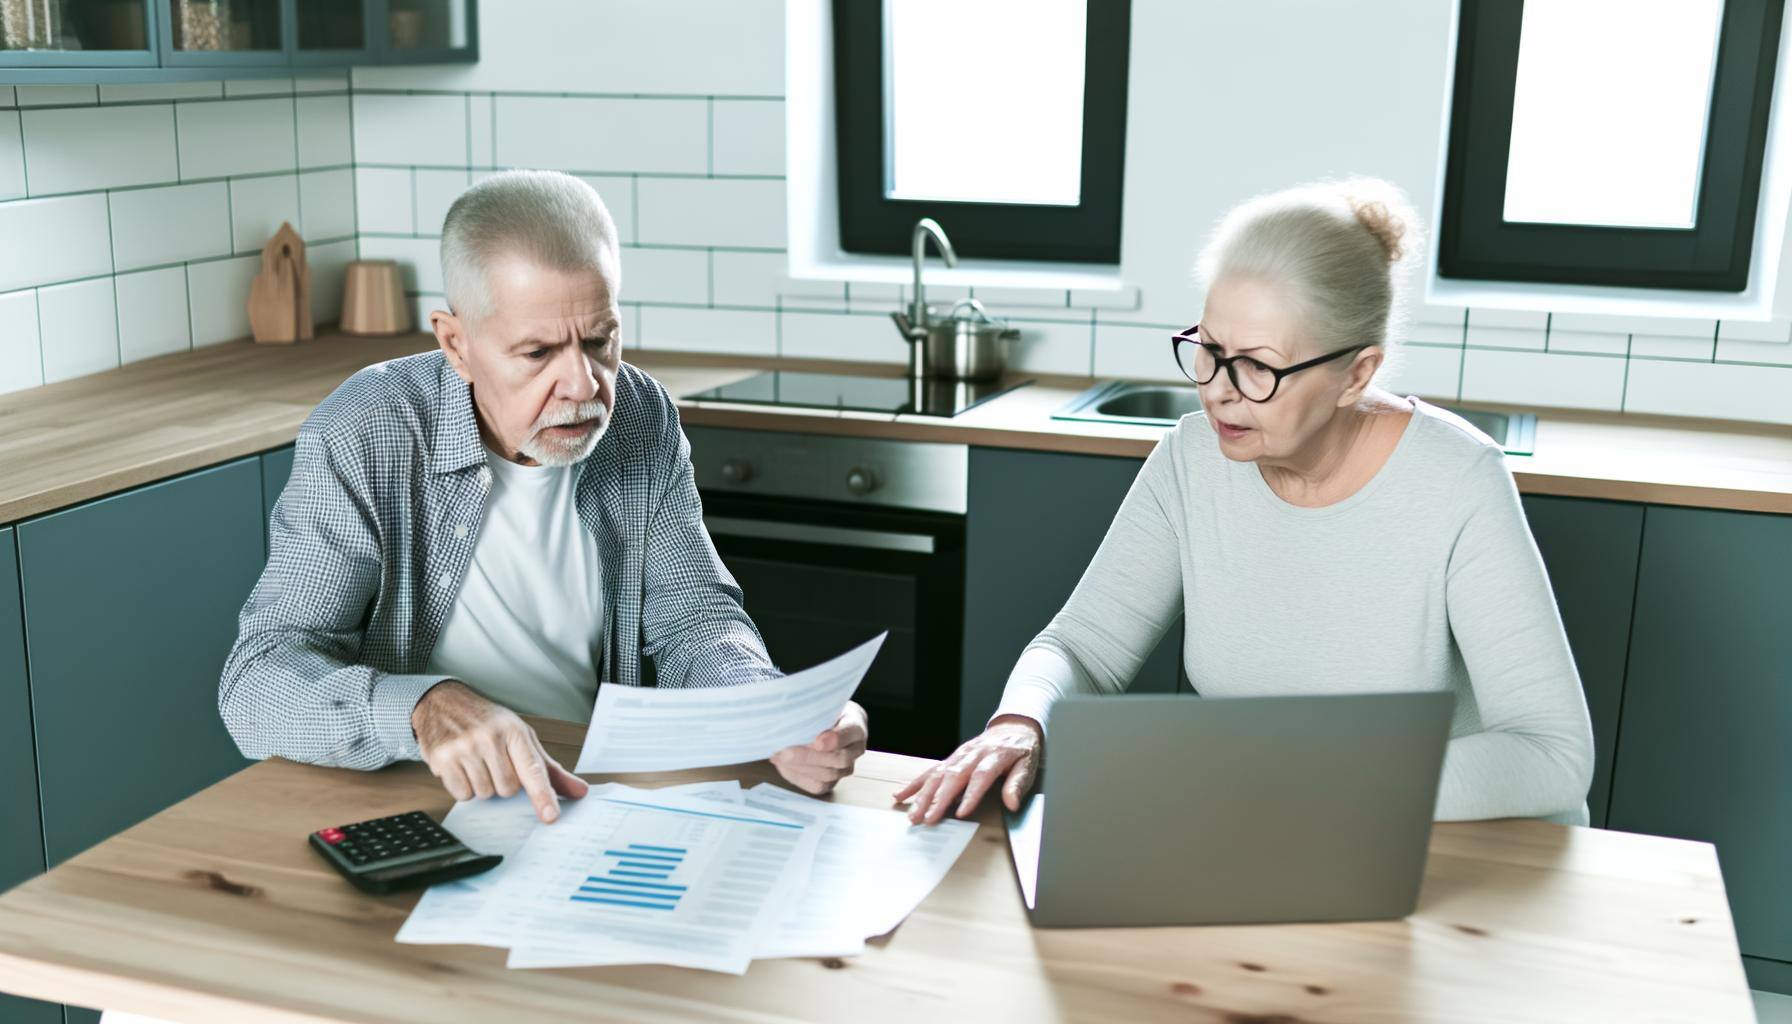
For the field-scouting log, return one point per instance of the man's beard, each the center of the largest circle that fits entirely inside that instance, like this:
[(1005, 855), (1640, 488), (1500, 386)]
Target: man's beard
[(552, 451)]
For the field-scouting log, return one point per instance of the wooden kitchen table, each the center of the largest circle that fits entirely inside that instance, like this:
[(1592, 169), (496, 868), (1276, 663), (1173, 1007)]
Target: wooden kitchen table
[(216, 910)]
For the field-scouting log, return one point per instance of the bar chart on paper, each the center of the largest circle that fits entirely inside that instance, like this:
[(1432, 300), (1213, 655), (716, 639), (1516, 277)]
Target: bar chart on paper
[(639, 876)]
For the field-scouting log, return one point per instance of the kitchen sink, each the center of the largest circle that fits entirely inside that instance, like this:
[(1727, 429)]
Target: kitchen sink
[(1161, 405)]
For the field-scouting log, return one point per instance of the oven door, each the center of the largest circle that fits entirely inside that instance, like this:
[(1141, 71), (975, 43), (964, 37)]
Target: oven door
[(821, 577)]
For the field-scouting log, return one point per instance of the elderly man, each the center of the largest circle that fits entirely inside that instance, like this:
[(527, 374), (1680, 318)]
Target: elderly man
[(492, 528)]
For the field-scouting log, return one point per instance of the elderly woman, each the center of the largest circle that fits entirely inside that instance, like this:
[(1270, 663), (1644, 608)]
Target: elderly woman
[(1320, 534)]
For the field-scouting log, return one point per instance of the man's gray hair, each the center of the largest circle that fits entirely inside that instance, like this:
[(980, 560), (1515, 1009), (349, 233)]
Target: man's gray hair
[(552, 219)]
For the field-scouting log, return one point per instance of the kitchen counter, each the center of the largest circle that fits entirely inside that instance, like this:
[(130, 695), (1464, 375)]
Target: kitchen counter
[(73, 441)]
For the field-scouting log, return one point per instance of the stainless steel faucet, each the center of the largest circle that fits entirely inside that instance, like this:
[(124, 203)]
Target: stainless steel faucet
[(914, 326)]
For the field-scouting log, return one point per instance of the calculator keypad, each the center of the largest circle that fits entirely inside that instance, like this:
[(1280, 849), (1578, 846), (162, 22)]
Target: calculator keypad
[(383, 839)]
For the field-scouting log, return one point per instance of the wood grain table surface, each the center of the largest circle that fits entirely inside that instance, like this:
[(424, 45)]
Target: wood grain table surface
[(76, 440), (216, 910)]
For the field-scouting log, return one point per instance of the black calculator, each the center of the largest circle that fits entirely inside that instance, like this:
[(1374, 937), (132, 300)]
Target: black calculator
[(401, 852)]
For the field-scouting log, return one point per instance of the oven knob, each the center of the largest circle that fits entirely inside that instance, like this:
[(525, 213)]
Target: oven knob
[(861, 481), (736, 471)]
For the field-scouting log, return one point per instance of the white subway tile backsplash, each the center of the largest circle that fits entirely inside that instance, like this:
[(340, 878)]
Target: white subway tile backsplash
[(79, 327), (857, 337), (77, 149), (1778, 330), (1588, 342), (8, 98), (152, 314), (1433, 373), (1140, 353), (666, 275), (1504, 337), (383, 200), (1777, 353), (1115, 300), (12, 156), (1558, 380), (691, 329), (1673, 346), (711, 211), (321, 81), (869, 296), (572, 133), (235, 137), (218, 295), (258, 206), (748, 137), (69, 240), (1715, 390), (1429, 313), (618, 194), (1681, 327), (325, 139), (1023, 298), (760, 279), (21, 362), (57, 95), (419, 260), (258, 87), (422, 306), (328, 264), (436, 191), (327, 204), (152, 226), (411, 130), (1051, 347), (137, 92), (1523, 319), (480, 137)]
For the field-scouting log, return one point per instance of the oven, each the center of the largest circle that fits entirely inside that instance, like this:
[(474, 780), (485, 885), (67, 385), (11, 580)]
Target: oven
[(834, 540)]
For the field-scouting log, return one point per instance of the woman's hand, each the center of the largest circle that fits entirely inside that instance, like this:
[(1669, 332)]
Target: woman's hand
[(1009, 749), (819, 765)]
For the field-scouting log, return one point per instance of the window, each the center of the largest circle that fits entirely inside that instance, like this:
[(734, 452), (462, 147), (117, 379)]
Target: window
[(1608, 142), (1005, 120)]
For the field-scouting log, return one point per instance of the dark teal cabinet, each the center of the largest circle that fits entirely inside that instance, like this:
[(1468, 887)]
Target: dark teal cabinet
[(1705, 746), (1591, 549), (21, 829), (130, 608), (1035, 520)]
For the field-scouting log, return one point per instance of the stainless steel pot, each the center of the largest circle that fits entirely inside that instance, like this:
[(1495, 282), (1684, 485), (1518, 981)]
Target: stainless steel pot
[(965, 344)]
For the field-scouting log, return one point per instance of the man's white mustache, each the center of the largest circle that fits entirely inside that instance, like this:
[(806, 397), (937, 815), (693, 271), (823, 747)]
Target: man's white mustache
[(592, 410)]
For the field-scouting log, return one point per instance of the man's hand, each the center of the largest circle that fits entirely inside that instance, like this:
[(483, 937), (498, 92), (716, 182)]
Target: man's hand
[(817, 767), (1009, 750), (479, 748)]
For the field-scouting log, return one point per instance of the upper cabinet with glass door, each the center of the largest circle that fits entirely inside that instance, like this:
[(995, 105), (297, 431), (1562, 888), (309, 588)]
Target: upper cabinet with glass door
[(69, 41), (77, 33)]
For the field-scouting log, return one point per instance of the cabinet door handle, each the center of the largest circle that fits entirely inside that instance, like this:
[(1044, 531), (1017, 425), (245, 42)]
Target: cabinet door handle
[(809, 533)]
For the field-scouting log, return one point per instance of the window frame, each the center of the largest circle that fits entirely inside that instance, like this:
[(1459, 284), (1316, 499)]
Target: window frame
[(871, 222), (1476, 243)]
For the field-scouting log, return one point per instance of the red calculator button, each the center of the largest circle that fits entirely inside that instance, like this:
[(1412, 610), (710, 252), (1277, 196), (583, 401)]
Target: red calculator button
[(331, 835)]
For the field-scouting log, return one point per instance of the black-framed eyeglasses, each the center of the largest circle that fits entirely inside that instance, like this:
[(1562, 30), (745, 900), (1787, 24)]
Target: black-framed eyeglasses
[(1256, 380)]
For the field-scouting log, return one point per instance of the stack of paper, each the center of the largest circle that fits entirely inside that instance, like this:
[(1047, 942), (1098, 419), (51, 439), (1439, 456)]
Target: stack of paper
[(703, 876)]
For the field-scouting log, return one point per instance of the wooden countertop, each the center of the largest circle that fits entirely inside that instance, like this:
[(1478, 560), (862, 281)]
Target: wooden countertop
[(76, 440), (216, 910)]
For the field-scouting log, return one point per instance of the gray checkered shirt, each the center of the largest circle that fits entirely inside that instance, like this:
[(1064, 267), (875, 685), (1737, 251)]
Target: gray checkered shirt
[(375, 530)]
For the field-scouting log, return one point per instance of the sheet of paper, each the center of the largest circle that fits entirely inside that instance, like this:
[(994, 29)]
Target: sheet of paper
[(872, 869), (450, 913), (645, 729), (645, 876)]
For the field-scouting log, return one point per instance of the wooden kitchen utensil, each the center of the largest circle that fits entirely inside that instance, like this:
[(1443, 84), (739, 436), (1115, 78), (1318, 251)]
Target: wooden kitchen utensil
[(280, 297), (373, 299)]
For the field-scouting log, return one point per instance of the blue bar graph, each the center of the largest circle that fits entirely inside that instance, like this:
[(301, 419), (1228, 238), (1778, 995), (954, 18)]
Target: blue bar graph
[(636, 878)]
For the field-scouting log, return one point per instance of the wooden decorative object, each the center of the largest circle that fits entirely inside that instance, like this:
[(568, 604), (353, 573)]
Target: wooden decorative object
[(280, 298), (373, 299)]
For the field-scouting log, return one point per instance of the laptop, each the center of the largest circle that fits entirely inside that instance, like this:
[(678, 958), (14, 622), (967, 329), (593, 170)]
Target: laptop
[(1177, 810)]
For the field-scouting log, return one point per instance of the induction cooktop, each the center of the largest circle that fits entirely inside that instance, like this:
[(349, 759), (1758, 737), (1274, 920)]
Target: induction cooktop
[(895, 395)]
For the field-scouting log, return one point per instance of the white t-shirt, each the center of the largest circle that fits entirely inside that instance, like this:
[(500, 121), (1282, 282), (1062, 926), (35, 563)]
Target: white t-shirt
[(527, 627)]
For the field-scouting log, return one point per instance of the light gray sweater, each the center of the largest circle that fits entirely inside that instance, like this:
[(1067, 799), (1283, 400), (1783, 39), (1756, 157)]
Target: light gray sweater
[(1425, 579)]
